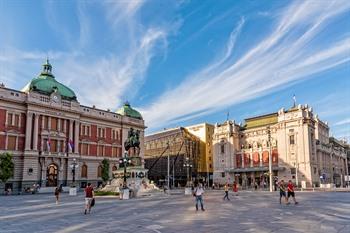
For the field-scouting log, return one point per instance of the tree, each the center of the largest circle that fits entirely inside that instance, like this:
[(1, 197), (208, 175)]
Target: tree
[(6, 167), (105, 170)]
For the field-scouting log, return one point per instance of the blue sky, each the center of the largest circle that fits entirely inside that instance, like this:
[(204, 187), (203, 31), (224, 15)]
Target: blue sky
[(186, 62)]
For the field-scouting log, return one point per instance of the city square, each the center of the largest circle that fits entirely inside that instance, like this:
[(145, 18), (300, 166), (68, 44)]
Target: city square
[(142, 108), (254, 211)]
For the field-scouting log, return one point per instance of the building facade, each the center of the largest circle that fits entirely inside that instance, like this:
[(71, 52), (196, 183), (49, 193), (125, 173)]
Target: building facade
[(181, 147), (45, 128), (204, 132), (297, 140)]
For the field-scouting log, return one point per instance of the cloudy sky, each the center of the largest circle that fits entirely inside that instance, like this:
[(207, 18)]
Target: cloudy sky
[(186, 62)]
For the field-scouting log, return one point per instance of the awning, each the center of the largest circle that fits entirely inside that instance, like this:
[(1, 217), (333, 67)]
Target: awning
[(254, 169)]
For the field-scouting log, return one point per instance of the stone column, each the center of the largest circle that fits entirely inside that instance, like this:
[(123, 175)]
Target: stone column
[(76, 137), (260, 159), (70, 138), (242, 157), (59, 124), (36, 126), (28, 130), (65, 126), (48, 122)]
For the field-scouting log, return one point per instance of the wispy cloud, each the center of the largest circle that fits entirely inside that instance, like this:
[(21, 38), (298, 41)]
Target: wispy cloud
[(343, 122), (286, 55)]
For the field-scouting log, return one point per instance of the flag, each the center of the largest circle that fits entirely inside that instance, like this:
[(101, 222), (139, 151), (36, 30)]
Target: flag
[(48, 144), (70, 144)]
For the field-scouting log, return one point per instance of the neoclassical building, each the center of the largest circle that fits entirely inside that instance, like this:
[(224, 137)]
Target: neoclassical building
[(45, 128), (298, 141)]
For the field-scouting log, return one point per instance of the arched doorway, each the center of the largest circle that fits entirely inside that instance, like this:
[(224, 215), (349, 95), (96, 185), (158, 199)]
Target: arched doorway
[(51, 175)]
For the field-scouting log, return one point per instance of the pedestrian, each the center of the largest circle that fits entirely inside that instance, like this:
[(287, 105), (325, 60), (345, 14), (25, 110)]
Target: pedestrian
[(256, 186), (89, 195), (282, 192), (226, 187), (57, 194), (235, 188), (198, 193), (213, 186), (291, 192)]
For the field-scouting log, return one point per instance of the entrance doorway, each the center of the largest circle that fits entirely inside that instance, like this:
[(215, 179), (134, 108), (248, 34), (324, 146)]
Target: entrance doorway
[(51, 175)]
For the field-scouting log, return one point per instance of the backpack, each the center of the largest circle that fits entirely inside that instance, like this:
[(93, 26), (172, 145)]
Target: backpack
[(194, 192)]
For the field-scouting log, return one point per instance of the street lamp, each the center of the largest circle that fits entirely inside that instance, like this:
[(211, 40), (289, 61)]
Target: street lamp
[(74, 165), (187, 164), (125, 161), (270, 156)]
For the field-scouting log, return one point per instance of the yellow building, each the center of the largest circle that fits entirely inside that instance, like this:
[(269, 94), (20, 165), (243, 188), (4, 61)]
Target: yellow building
[(204, 132)]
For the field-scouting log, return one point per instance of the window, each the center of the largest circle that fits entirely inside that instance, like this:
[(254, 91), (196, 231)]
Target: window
[(84, 149), (222, 174), (101, 132), (114, 168), (46, 122), (293, 171), (84, 171), (114, 151), (9, 119), (315, 170), (11, 142), (209, 165), (291, 140), (99, 171), (100, 150), (16, 120), (53, 123), (222, 148)]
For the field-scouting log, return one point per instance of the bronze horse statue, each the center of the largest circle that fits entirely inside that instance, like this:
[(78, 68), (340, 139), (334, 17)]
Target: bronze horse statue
[(133, 140)]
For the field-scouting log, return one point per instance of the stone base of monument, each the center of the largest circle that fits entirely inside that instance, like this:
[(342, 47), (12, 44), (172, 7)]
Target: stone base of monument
[(126, 194), (188, 191), (72, 191)]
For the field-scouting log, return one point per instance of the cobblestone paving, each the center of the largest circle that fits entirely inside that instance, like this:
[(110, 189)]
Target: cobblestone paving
[(249, 212)]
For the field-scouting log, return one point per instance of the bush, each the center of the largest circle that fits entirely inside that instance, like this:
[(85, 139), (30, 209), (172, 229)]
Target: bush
[(106, 193)]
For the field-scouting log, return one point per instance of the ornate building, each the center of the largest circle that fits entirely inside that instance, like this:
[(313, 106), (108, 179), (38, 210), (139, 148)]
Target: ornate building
[(298, 141), (183, 150), (44, 127)]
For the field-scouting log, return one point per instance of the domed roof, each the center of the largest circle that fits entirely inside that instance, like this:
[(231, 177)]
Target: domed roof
[(127, 110), (46, 84)]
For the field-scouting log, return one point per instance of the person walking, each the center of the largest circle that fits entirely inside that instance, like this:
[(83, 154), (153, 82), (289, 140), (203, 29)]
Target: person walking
[(235, 188), (291, 193), (282, 191), (198, 193), (226, 187), (89, 195), (57, 194)]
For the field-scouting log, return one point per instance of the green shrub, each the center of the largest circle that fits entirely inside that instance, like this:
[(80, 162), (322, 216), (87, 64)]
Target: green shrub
[(106, 193)]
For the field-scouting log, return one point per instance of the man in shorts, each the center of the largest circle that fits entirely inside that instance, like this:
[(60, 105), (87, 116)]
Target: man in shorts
[(89, 195), (282, 191), (291, 192)]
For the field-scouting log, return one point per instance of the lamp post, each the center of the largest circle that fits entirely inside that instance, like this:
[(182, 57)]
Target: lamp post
[(125, 161), (74, 165), (187, 164), (270, 156)]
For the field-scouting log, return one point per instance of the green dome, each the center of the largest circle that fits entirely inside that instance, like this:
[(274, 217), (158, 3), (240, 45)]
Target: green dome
[(127, 110), (46, 84)]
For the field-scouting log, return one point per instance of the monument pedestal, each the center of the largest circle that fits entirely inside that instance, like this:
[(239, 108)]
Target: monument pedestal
[(72, 191), (126, 194)]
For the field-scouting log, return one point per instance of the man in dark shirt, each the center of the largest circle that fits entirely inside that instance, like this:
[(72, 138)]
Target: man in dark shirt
[(89, 195), (291, 191)]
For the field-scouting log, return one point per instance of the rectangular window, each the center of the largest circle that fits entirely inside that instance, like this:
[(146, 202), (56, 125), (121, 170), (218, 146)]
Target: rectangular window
[(46, 122), (11, 142), (291, 140), (114, 151), (293, 171), (100, 150), (16, 120), (222, 148), (222, 174), (9, 119), (84, 149), (53, 123)]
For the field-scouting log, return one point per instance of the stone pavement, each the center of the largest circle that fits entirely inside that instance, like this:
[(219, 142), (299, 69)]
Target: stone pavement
[(248, 212)]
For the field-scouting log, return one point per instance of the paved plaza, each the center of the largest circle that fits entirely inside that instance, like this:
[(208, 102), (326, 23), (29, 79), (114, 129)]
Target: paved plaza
[(248, 212)]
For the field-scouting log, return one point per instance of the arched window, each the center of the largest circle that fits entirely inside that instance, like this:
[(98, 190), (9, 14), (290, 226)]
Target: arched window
[(99, 171), (84, 171), (114, 168)]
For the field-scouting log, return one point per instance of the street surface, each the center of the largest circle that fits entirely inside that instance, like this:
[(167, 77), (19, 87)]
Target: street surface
[(249, 212)]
